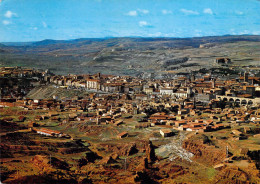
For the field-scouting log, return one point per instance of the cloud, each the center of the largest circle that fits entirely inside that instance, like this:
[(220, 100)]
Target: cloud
[(9, 14), (33, 28), (208, 11), (189, 12), (44, 24), (165, 12), (143, 11), (239, 13), (132, 13), (144, 24), (6, 22), (136, 12)]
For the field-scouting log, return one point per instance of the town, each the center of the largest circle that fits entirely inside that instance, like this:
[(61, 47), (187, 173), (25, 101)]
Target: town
[(125, 108), (164, 102)]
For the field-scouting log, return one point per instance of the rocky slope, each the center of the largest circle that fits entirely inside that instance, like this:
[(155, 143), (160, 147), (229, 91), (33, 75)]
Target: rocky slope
[(203, 151)]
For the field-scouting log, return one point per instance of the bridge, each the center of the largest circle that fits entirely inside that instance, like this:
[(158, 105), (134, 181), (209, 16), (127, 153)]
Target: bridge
[(239, 100)]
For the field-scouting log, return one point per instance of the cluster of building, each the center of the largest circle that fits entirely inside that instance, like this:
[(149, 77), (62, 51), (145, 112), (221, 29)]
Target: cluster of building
[(17, 72), (195, 102)]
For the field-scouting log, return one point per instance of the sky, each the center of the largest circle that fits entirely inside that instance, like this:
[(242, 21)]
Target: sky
[(35, 20)]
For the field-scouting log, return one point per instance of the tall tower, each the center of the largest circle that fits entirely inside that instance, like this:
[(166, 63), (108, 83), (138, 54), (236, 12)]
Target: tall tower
[(246, 77), (99, 75), (227, 152), (192, 78), (213, 83), (189, 92)]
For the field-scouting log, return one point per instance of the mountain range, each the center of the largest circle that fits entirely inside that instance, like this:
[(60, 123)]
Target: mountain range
[(130, 56)]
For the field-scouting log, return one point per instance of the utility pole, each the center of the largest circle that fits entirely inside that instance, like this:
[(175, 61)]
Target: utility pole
[(125, 164), (227, 152)]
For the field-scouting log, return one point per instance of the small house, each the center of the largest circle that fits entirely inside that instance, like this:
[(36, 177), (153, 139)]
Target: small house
[(122, 135), (244, 151), (166, 132), (21, 118)]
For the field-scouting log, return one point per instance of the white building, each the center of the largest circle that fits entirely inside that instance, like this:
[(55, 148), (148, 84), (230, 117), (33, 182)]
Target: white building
[(166, 91)]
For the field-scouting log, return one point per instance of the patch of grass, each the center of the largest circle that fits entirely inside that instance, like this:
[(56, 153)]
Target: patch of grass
[(211, 172), (52, 124)]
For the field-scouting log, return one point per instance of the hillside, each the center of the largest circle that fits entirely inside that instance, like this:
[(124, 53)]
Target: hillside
[(130, 56), (48, 91)]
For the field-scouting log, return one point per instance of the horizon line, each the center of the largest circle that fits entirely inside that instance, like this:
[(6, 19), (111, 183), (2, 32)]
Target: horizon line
[(111, 37)]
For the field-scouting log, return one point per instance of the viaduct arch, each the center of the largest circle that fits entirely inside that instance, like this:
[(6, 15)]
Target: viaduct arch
[(239, 100)]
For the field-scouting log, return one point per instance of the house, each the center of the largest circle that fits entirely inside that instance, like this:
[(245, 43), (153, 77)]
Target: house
[(142, 125), (166, 91), (122, 135), (194, 125), (166, 132), (257, 135), (199, 120), (38, 118), (223, 60), (118, 122), (141, 97), (170, 122), (219, 166), (181, 94), (247, 130), (179, 123), (105, 119), (236, 132), (93, 84), (53, 114), (244, 151), (21, 118), (148, 90), (73, 116), (217, 127), (182, 112), (158, 117), (48, 132)]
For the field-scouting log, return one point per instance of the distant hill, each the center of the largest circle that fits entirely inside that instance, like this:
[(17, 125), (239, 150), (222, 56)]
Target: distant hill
[(128, 55), (178, 41)]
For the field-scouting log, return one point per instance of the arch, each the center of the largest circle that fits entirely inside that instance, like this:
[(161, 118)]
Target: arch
[(250, 102), (225, 99), (243, 102), (237, 101), (231, 100)]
